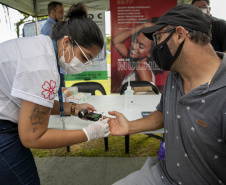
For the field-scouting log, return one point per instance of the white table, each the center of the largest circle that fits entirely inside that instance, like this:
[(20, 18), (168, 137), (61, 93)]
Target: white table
[(105, 103)]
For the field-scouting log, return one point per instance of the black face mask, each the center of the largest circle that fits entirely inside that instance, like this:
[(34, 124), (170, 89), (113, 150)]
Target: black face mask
[(162, 55)]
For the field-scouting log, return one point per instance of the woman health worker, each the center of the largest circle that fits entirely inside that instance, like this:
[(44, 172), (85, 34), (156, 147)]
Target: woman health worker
[(29, 81)]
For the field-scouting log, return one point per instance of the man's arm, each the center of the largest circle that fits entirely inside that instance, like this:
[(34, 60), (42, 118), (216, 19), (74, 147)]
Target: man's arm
[(121, 126), (154, 121)]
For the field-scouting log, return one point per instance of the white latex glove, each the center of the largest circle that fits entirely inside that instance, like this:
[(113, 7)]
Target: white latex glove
[(97, 130)]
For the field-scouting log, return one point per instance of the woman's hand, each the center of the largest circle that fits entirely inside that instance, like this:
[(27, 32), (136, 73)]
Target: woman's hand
[(80, 107), (97, 129), (118, 126)]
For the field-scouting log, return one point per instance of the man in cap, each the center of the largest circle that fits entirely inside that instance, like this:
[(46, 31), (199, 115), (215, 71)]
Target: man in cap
[(218, 40), (192, 109)]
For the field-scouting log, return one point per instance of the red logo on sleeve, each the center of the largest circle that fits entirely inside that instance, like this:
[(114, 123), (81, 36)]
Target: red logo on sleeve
[(50, 89)]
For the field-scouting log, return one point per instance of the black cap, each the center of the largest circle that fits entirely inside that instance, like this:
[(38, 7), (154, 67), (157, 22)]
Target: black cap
[(186, 15)]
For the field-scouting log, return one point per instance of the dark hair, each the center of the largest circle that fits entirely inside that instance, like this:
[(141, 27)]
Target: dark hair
[(78, 27), (53, 6), (208, 2), (199, 37)]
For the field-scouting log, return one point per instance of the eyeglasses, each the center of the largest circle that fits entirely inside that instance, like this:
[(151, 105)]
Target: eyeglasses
[(89, 61), (155, 35), (203, 6)]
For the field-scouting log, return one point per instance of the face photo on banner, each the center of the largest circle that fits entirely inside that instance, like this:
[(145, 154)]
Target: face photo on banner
[(131, 51)]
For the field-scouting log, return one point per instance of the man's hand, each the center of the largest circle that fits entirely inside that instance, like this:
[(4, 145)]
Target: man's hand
[(80, 107), (119, 126)]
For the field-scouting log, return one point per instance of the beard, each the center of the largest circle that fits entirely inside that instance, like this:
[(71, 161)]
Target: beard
[(180, 62), (59, 19)]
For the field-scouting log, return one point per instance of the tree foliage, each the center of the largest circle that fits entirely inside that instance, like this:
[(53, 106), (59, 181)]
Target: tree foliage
[(108, 43), (21, 21), (24, 20)]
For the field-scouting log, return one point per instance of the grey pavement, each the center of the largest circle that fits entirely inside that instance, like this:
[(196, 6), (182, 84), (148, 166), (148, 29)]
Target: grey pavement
[(86, 170)]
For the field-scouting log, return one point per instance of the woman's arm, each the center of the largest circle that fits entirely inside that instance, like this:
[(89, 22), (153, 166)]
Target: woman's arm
[(118, 40), (67, 108), (56, 108), (34, 131)]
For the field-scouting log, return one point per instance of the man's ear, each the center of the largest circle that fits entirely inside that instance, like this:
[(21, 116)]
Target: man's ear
[(52, 14), (181, 34)]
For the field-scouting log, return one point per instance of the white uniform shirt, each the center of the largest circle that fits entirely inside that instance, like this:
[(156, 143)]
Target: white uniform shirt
[(28, 71)]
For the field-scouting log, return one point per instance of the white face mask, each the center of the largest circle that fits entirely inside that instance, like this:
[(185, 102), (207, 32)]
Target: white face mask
[(204, 10), (74, 67)]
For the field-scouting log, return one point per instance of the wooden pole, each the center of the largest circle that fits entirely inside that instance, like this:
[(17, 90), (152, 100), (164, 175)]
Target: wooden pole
[(36, 19), (36, 25)]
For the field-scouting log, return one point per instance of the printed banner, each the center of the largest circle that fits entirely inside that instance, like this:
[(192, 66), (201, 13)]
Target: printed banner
[(131, 51)]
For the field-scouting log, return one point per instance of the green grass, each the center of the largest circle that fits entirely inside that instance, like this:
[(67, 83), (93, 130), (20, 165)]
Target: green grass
[(141, 145)]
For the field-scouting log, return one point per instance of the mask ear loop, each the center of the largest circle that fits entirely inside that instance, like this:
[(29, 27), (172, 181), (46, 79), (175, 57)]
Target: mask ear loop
[(88, 63), (69, 54), (74, 54), (73, 51)]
